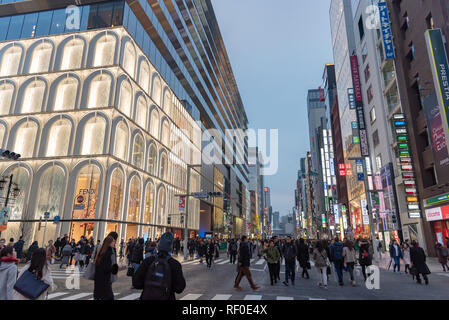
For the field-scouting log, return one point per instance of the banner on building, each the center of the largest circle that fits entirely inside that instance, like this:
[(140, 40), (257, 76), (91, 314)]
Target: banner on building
[(440, 70), (437, 136), (386, 30)]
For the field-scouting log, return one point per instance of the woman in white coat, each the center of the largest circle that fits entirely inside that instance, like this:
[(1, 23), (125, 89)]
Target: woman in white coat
[(406, 255), (40, 268)]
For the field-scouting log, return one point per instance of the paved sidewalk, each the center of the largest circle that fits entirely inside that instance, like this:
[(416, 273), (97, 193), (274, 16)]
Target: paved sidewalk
[(432, 263)]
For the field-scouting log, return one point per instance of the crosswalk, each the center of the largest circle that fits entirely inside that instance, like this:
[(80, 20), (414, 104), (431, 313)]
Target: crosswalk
[(225, 261), (63, 274), (186, 297)]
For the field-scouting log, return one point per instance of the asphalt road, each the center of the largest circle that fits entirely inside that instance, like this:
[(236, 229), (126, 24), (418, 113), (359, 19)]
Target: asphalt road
[(217, 283)]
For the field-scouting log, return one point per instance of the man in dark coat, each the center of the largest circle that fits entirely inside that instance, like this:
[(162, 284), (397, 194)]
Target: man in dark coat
[(289, 253), (418, 260), (244, 262), (137, 254), (18, 246), (178, 283), (302, 255)]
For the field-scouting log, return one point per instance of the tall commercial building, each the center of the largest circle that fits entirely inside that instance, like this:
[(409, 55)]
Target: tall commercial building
[(420, 32), (256, 184), (301, 200), (267, 212), (316, 109), (106, 102)]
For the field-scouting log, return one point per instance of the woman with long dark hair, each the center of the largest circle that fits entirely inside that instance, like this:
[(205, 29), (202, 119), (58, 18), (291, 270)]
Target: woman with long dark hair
[(349, 257), (39, 267), (320, 258), (105, 267)]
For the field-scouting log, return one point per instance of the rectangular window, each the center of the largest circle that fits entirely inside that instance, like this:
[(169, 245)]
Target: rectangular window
[(376, 138), (364, 52), (361, 29), (369, 93), (372, 114), (29, 25), (15, 27), (44, 23), (58, 22), (4, 24), (367, 73), (105, 11), (379, 162)]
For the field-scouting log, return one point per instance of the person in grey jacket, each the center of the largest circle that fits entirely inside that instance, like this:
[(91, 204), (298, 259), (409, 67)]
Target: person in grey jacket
[(8, 272)]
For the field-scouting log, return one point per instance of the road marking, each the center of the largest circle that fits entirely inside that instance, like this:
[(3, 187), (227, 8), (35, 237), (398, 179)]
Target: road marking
[(133, 296), (78, 296), (115, 294), (224, 262), (283, 263), (252, 297), (190, 262), (56, 294), (191, 296), (252, 260), (443, 274), (222, 297), (316, 299), (261, 261), (284, 298), (220, 260)]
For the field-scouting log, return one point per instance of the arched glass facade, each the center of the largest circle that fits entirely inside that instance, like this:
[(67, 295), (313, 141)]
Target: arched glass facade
[(72, 55), (93, 136), (66, 92), (138, 151), (33, 96), (59, 138), (134, 200), (116, 195), (10, 61), (40, 58), (99, 91), (121, 141), (25, 139), (6, 95)]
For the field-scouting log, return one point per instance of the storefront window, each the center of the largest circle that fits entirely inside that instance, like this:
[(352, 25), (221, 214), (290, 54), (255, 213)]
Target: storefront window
[(144, 76), (167, 102), (161, 206), (40, 61), (121, 141), (134, 200), (157, 91), (154, 125), (10, 61), (138, 150), (73, 54), (25, 139), (163, 166), (93, 136), (99, 92), (66, 94), (21, 178), (125, 100), (59, 138), (85, 202), (104, 51), (165, 133), (6, 93), (33, 97), (141, 112), (129, 58), (115, 195), (149, 203), (152, 160), (50, 185)]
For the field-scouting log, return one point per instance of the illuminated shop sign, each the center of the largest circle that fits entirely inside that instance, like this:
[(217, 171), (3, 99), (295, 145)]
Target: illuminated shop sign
[(399, 123)]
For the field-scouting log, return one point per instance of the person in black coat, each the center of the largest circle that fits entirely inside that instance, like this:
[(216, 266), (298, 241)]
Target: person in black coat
[(137, 254), (210, 250), (244, 262), (365, 258), (31, 249), (105, 268), (418, 260), (302, 255), (178, 283), (18, 246)]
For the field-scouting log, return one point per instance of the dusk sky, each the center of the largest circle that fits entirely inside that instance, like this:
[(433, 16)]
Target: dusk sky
[(278, 51)]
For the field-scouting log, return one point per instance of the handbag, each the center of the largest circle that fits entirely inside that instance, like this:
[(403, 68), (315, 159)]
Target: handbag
[(130, 271), (30, 287), (89, 273)]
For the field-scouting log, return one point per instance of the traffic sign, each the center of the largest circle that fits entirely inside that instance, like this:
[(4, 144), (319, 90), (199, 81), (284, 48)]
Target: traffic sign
[(46, 215), (56, 219), (201, 195)]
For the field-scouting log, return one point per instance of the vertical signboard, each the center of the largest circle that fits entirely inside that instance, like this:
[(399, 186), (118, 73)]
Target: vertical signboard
[(359, 106), (386, 30), (437, 136), (440, 70)]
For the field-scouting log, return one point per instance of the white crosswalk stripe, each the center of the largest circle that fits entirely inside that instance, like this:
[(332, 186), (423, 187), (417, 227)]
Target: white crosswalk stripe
[(224, 262), (252, 297), (261, 261), (284, 298), (115, 294), (56, 294), (316, 299), (78, 296), (222, 297), (191, 296), (220, 260), (133, 296), (252, 260)]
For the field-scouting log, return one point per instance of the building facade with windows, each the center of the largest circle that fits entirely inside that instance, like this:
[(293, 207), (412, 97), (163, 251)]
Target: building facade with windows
[(107, 113)]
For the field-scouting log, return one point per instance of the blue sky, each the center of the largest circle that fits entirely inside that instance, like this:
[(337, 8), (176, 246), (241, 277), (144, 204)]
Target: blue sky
[(278, 50)]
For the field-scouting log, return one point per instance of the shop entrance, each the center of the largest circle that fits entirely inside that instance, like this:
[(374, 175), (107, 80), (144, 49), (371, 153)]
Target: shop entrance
[(131, 231), (79, 229)]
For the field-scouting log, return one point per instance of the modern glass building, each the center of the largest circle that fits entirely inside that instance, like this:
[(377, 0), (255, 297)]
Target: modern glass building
[(106, 102)]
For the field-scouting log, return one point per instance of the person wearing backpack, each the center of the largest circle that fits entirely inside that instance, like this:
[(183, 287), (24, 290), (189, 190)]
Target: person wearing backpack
[(66, 253), (289, 253), (442, 253), (232, 251), (336, 253), (160, 276), (137, 254)]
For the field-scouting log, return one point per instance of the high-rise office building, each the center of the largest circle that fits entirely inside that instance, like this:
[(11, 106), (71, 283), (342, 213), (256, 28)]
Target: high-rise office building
[(106, 102)]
